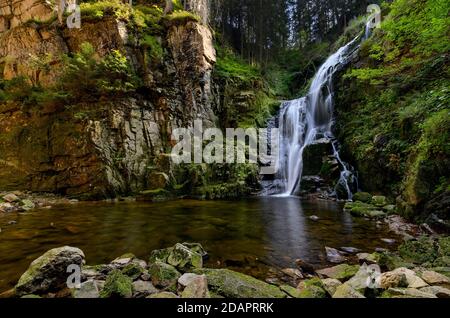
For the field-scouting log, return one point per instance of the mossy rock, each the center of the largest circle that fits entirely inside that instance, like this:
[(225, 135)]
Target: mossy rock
[(340, 272), (164, 275), (184, 258), (291, 291), (313, 292), (362, 197), (443, 261), (163, 295), (360, 209), (160, 255), (132, 270), (379, 201), (231, 284), (312, 288), (117, 285), (419, 251), (48, 273), (392, 261)]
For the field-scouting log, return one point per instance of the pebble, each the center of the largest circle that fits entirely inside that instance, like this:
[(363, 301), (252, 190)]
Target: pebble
[(314, 218), (388, 241)]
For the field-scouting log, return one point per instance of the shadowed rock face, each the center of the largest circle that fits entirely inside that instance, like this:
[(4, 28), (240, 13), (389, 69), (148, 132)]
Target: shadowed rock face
[(104, 148), (16, 12)]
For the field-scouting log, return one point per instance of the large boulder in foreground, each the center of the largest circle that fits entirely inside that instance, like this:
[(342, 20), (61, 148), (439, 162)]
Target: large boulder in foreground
[(231, 284), (49, 272)]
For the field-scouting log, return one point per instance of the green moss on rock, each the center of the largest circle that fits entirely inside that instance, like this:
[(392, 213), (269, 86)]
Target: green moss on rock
[(164, 275), (133, 271), (231, 284), (117, 285)]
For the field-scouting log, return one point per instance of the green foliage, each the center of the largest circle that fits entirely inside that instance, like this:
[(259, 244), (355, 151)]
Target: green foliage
[(229, 65), (97, 10), (180, 17), (154, 47), (393, 110), (85, 76)]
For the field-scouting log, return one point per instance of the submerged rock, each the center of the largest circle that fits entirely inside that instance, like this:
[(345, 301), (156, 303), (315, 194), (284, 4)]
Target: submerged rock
[(334, 256), (49, 272), (236, 285)]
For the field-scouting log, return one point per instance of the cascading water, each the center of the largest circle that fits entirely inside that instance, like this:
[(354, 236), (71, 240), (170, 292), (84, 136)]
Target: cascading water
[(309, 119)]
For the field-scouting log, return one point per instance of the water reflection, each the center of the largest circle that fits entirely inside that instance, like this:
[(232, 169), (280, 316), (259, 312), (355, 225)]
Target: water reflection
[(244, 235)]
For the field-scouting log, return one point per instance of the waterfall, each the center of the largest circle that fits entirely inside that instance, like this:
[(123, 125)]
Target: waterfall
[(307, 120)]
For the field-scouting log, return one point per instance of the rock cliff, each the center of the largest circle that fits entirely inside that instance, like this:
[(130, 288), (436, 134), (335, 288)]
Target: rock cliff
[(104, 147)]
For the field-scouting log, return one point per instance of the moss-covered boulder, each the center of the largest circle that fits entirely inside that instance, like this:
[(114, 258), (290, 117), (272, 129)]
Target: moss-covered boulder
[(362, 197), (49, 272), (133, 270), (346, 291), (163, 295), (160, 255), (231, 284), (340, 272), (419, 251), (184, 258), (196, 288), (311, 288), (164, 275), (360, 209), (379, 201), (392, 261), (117, 285)]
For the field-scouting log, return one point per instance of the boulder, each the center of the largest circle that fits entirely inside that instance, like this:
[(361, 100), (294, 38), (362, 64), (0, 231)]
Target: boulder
[(350, 250), (11, 198), (231, 284), (184, 258), (186, 279), (163, 295), (88, 289), (362, 197), (368, 258), (314, 154), (361, 280), (311, 288), (164, 275), (360, 209), (160, 255), (330, 285), (49, 272), (142, 289), (406, 293), (133, 270), (341, 272), (393, 280), (27, 205), (196, 288), (304, 266), (412, 280), (346, 291), (379, 201), (291, 291), (334, 256), (293, 273), (117, 285), (438, 291), (434, 278)]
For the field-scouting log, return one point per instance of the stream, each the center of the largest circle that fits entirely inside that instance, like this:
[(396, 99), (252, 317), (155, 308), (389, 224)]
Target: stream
[(255, 236)]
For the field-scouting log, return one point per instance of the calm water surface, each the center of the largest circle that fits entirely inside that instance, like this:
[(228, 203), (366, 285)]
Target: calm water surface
[(250, 236)]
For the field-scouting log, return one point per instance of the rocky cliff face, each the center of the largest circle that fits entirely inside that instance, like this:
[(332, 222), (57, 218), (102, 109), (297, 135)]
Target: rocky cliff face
[(107, 147)]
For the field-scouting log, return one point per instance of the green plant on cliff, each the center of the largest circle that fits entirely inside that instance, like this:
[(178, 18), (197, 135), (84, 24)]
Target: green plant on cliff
[(85, 76), (393, 109)]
